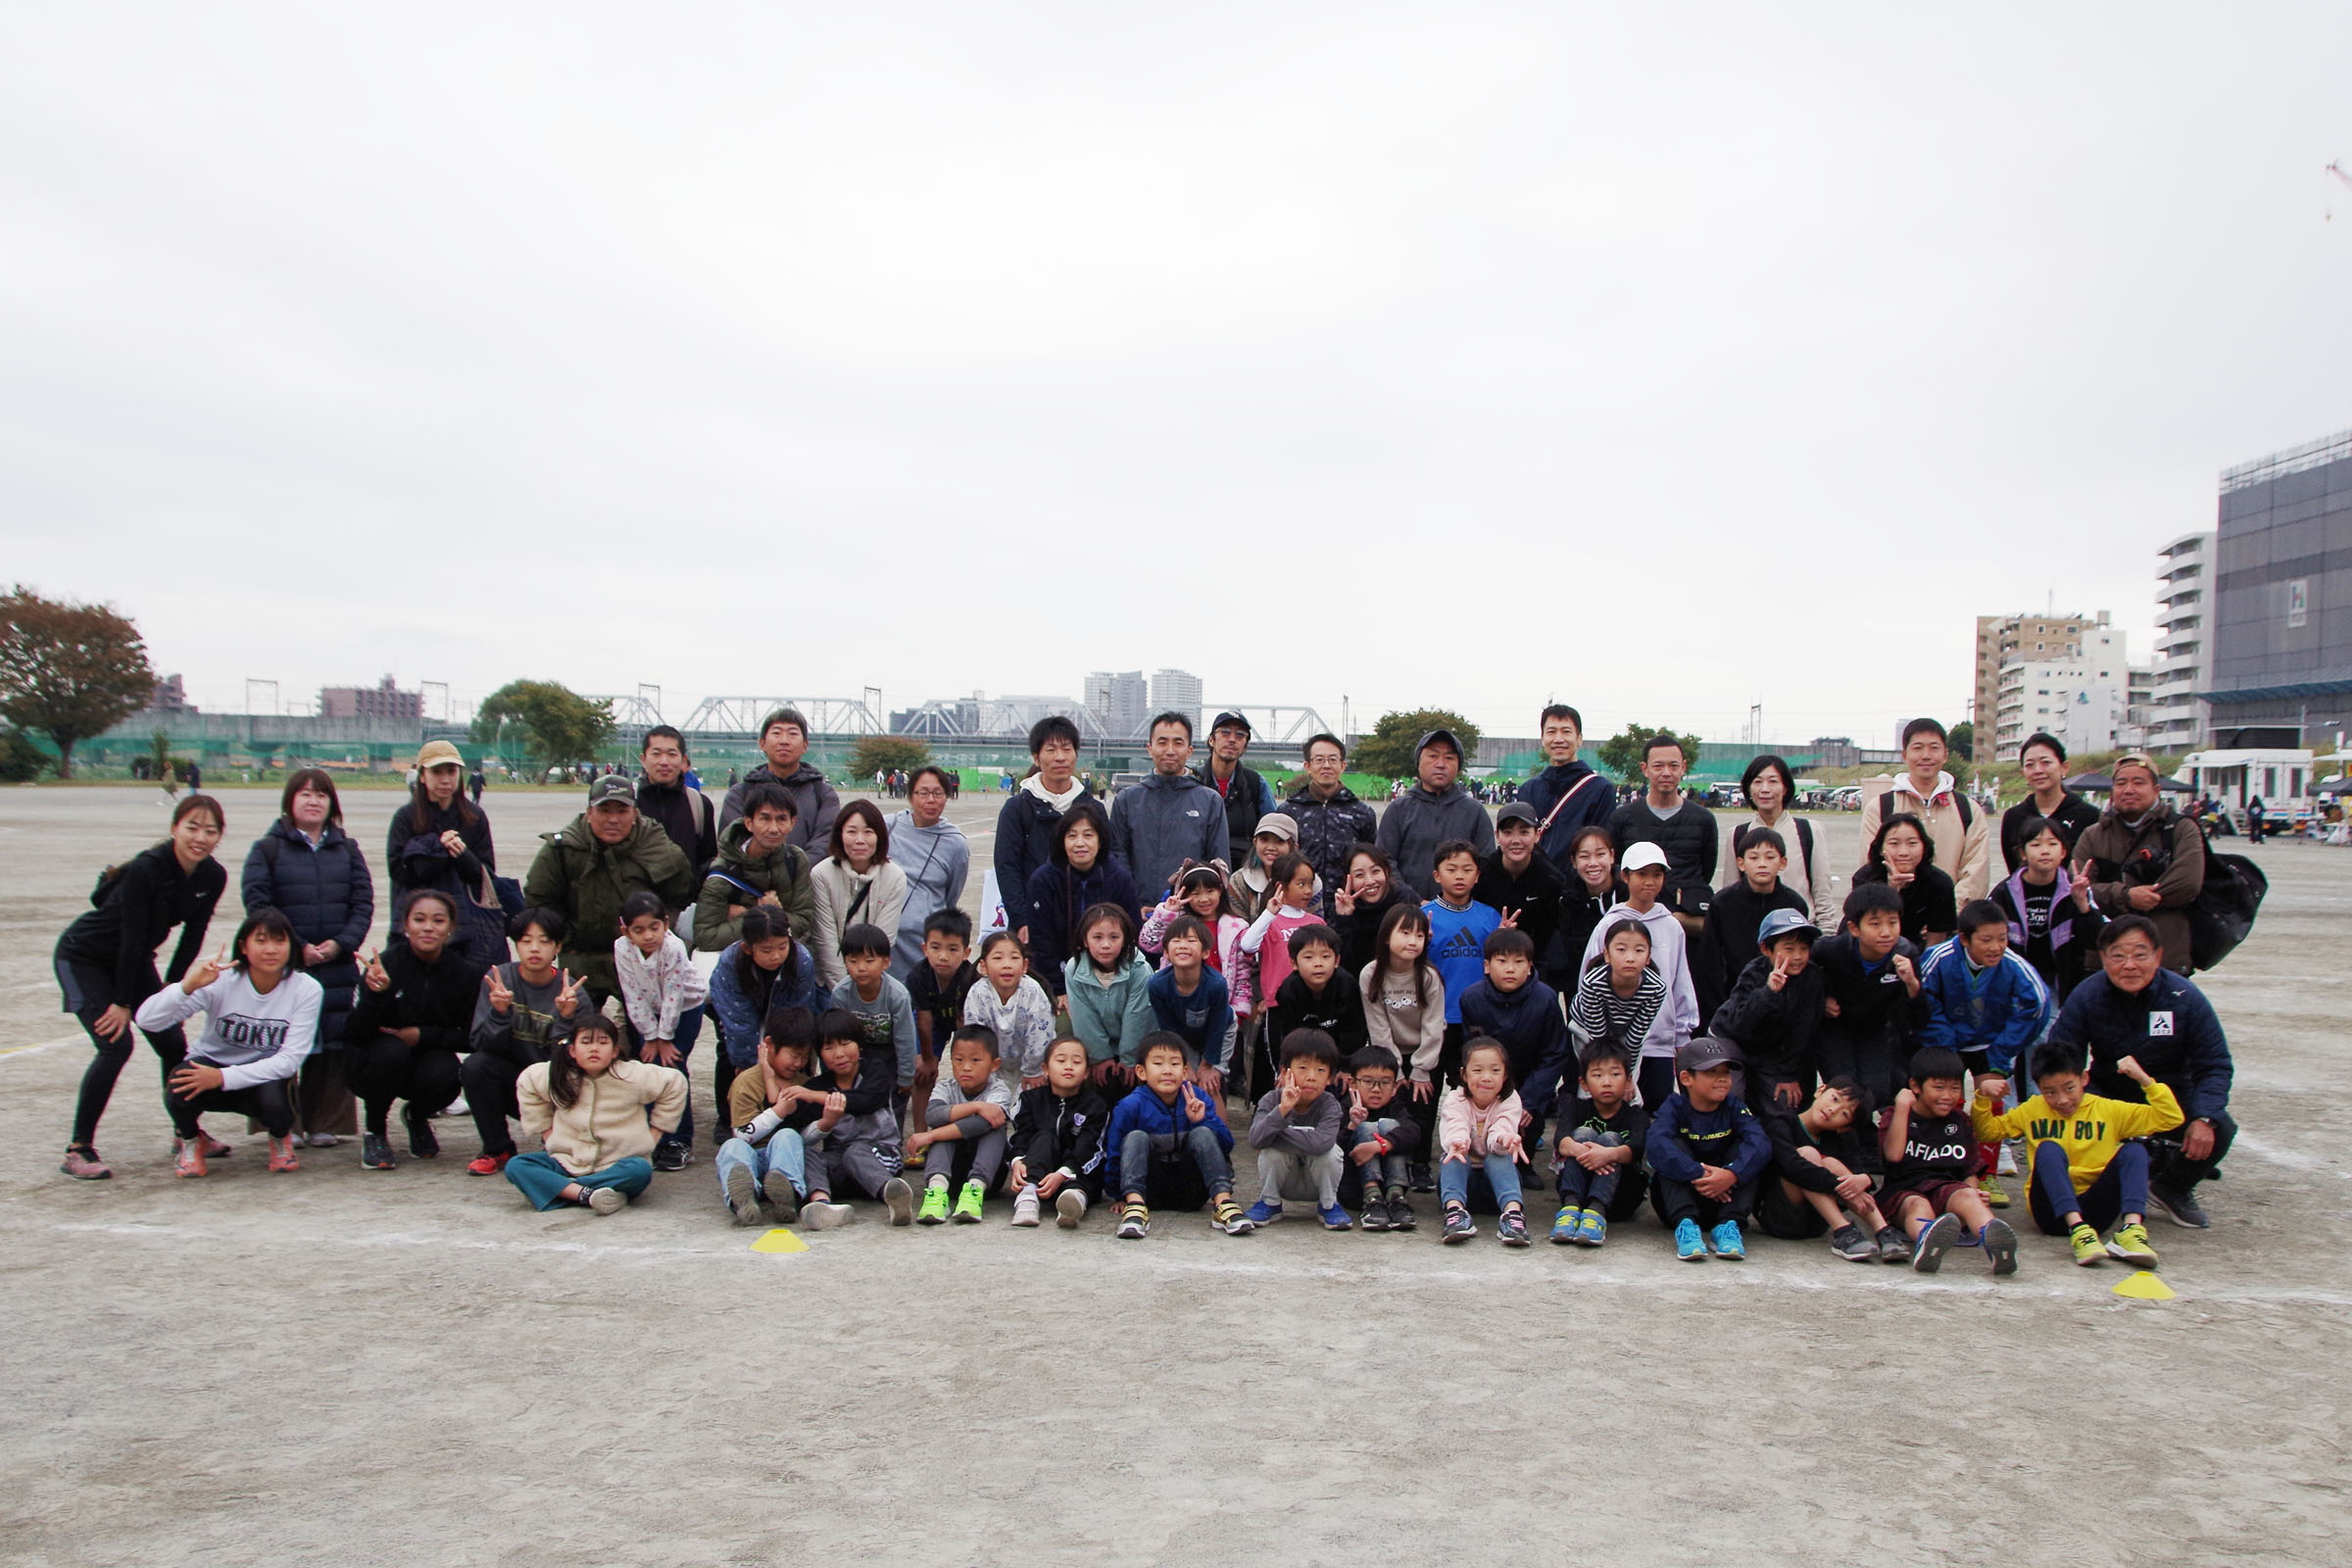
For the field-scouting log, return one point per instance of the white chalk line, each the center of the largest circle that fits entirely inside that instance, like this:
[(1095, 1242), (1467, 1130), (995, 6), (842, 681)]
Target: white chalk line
[(45, 1045), (426, 1239)]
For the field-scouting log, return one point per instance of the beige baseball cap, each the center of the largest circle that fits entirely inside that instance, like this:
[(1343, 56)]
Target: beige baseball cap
[(438, 754)]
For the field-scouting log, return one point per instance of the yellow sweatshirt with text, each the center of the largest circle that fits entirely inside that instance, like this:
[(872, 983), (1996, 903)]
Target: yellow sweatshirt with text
[(2090, 1136)]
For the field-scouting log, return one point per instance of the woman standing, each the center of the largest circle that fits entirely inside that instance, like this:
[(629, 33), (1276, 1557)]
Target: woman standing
[(441, 840), (854, 885), (312, 871), (935, 855), (106, 960), (1771, 789), (415, 1016)]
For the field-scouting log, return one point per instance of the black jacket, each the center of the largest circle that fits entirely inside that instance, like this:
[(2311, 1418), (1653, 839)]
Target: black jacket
[(1051, 1132), (1870, 1007), (1790, 1136), (1533, 1032), (1689, 838), (1025, 831), (1537, 893), (2169, 1027), (327, 895), (414, 858), (1329, 831), (2074, 815), (1360, 930), (1339, 1013), (1728, 943), (1588, 805), (1774, 1027), (688, 817), (435, 999), (149, 896), (1246, 798)]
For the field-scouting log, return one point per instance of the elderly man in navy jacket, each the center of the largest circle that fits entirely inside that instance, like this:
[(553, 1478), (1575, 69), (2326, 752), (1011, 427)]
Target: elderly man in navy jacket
[(2138, 1008)]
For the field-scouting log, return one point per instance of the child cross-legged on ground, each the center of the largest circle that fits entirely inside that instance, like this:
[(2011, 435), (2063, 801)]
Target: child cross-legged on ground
[(1167, 1147), (1480, 1121), (1296, 1132), (964, 1148), (1707, 1153), (1059, 1132), (2087, 1174), (1597, 1156), (596, 1142), (1930, 1153)]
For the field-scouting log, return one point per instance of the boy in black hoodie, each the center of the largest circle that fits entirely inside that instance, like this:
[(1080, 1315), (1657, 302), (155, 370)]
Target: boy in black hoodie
[(1318, 994), (1772, 1012), (1511, 1005), (1058, 1136), (1872, 1007), (1728, 943)]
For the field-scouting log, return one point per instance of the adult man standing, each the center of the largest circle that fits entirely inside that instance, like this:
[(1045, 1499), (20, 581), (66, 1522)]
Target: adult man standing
[(2133, 1007), (1567, 795), (1962, 835), (1031, 818), (1683, 828), (1434, 809), (2042, 760), (685, 813), (784, 742), (2144, 858), (1247, 796), (1170, 817), (585, 871), (1331, 820)]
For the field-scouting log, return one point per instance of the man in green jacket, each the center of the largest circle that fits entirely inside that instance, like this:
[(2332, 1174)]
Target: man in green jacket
[(757, 864), (589, 868)]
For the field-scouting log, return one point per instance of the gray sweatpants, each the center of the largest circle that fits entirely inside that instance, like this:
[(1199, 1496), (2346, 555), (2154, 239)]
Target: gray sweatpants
[(1286, 1174), (980, 1151)]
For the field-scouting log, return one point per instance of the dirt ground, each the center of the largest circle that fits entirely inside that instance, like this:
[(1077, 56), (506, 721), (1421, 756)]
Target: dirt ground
[(413, 1368)]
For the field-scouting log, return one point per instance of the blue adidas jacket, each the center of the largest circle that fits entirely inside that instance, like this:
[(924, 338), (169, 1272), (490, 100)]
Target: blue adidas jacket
[(2001, 1009)]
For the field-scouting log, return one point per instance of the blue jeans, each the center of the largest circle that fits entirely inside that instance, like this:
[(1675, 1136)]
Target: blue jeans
[(784, 1150), (2121, 1189), (1503, 1174), (1173, 1171), (690, 1027), (542, 1178), (1588, 1189)]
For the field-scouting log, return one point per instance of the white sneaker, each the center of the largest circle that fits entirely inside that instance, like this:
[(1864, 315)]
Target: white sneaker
[(1069, 1207), (1024, 1207), (2008, 1162), (824, 1217), (455, 1108)]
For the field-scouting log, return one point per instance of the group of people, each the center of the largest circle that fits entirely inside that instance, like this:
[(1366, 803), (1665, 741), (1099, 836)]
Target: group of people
[(1433, 998)]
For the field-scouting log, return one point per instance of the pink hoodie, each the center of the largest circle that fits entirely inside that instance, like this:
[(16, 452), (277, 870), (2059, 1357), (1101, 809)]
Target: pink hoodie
[(1465, 1132)]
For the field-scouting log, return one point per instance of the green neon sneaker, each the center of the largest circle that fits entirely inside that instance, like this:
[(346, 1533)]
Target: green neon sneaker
[(935, 1205), (968, 1201)]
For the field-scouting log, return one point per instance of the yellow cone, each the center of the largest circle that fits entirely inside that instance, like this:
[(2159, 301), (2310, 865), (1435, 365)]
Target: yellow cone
[(783, 1241), (2144, 1287)]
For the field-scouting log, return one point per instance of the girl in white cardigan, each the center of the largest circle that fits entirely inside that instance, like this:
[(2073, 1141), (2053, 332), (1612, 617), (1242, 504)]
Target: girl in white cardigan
[(663, 993)]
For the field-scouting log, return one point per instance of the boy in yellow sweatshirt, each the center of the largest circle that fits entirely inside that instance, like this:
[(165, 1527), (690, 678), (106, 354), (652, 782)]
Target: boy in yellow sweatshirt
[(2085, 1175)]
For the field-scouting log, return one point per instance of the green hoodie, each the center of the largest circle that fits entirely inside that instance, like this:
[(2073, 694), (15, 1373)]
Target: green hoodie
[(588, 880), (784, 873)]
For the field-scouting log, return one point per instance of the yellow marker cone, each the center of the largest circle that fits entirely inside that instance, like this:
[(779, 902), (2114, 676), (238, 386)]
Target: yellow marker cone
[(783, 1241), (2145, 1286)]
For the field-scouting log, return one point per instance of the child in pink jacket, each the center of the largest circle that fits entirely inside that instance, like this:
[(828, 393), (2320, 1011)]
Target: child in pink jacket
[(1480, 1121)]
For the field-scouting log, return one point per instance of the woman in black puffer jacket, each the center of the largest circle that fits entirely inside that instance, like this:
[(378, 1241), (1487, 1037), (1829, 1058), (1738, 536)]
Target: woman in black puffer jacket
[(312, 871)]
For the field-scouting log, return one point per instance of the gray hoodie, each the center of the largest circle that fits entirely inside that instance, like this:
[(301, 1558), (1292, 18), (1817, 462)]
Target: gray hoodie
[(937, 862), (1158, 825), (1417, 821)]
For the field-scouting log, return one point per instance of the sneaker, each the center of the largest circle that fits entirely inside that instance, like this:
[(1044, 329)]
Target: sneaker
[(1375, 1216), (2179, 1206), (1848, 1242), (214, 1148), (2001, 1244), (1135, 1222), (899, 1198), (84, 1165), (2089, 1252), (423, 1142), (187, 1157), (934, 1209), (1334, 1219), (1400, 1211), (488, 1164), (281, 1155), (1726, 1241), (1563, 1226), (1423, 1180), (1459, 1226), (968, 1204), (1511, 1229), (673, 1157), (1593, 1229), (321, 1139), (2131, 1243), (825, 1216), (376, 1152), (1227, 1217), (1262, 1212), (1927, 1256), (737, 1189), (607, 1201), (1689, 1244), (1995, 1196), (1892, 1248), (1069, 1207), (2007, 1164), (1024, 1209), (777, 1187)]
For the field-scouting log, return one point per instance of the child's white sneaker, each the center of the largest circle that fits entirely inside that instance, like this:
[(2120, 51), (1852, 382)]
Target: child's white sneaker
[(1069, 1207), (1024, 1207)]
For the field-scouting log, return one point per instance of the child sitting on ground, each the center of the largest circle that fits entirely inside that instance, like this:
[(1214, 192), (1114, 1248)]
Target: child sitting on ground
[(1107, 990), (1167, 1147), (1058, 1131), (1381, 1134), (769, 1106), (1319, 994), (1479, 1120), (936, 989), (1930, 1153), (1817, 1180), (594, 1146), (1510, 1005), (1009, 1000), (663, 994), (1706, 1154), (1597, 1159), (525, 1007), (853, 1143), (1773, 1010), (1190, 999), (2087, 1172), (970, 1110), (1986, 1002), (1296, 1132)]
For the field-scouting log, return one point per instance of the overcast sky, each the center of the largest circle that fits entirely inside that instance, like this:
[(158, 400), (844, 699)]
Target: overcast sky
[(1667, 362)]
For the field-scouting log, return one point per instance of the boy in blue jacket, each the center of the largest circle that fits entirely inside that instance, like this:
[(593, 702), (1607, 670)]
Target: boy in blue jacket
[(1166, 1145), (1707, 1153), (1511, 1005), (1986, 1002)]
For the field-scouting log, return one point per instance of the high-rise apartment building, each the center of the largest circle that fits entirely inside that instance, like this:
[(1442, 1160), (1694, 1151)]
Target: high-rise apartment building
[(1176, 691), (1120, 702), (2001, 639), (2184, 643)]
